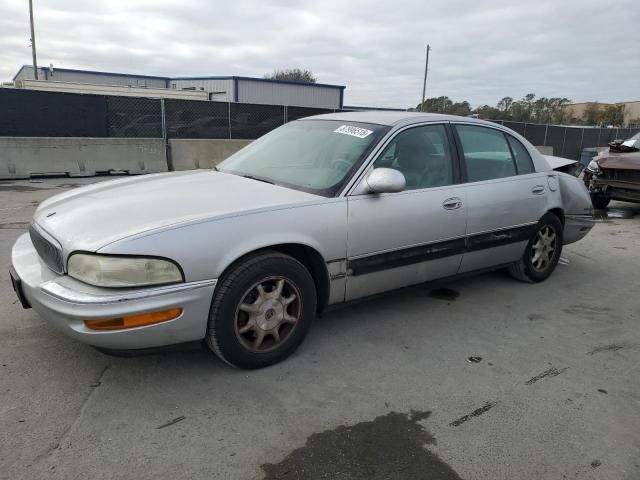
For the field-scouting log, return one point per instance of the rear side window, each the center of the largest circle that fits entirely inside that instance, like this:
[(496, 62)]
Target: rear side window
[(486, 153), (522, 157)]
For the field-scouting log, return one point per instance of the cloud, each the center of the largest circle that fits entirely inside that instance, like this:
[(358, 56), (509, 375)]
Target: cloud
[(481, 51)]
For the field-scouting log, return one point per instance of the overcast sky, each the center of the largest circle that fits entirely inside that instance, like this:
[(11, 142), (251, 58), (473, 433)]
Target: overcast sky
[(482, 50)]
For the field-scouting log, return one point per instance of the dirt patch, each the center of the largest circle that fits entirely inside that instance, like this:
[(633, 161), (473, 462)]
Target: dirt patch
[(476, 413), (14, 226), (586, 309), (605, 348), (9, 187), (389, 447), (552, 372)]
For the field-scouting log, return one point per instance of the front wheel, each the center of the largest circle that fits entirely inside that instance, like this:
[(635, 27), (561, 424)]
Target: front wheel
[(261, 311), (542, 253)]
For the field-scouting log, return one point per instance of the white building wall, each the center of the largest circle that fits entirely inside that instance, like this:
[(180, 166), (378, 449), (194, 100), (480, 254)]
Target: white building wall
[(26, 73), (119, 90), (219, 90), (273, 93)]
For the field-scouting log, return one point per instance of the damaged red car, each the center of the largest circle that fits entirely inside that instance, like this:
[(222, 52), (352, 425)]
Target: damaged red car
[(615, 174)]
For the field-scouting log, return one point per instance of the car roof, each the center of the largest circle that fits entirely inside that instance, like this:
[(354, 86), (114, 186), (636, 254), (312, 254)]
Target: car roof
[(393, 119), (401, 119)]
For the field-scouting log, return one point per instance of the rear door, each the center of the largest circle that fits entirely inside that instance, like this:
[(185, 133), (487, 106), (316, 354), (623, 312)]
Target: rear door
[(505, 196), (404, 238)]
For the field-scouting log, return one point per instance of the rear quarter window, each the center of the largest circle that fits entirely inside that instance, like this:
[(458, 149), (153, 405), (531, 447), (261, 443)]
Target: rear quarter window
[(521, 155)]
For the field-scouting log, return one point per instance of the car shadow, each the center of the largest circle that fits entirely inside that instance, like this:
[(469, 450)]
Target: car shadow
[(617, 210)]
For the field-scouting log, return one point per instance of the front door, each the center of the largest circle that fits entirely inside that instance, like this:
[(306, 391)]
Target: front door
[(400, 239)]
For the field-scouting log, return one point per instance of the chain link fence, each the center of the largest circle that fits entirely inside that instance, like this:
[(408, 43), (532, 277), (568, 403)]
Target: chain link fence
[(567, 141), (193, 119), (249, 120), (29, 113), (133, 117)]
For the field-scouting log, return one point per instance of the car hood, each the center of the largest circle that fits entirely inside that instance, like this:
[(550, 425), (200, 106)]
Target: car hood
[(619, 160), (91, 217)]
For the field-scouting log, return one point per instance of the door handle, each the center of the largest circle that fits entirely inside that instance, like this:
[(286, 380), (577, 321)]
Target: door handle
[(452, 203), (537, 190)]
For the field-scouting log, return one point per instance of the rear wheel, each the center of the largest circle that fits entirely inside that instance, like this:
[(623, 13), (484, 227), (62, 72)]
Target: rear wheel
[(261, 311), (542, 253), (599, 201)]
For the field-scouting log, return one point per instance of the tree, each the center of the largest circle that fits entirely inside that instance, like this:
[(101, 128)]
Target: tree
[(612, 115), (527, 109), (436, 105), (504, 106), (488, 112), (528, 103), (522, 110), (591, 114), (292, 74), (559, 112), (460, 108)]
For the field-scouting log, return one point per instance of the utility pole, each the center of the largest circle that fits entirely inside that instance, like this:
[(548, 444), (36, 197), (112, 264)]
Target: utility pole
[(33, 41), (424, 85)]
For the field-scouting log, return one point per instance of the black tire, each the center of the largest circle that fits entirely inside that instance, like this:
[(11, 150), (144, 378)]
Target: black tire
[(599, 201), (524, 269), (223, 331)]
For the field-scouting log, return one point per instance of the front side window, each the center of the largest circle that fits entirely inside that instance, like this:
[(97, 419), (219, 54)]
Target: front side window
[(486, 153), (423, 156), (316, 156)]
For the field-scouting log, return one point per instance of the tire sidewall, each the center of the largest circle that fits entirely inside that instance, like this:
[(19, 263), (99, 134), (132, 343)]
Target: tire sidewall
[(532, 273), (224, 317)]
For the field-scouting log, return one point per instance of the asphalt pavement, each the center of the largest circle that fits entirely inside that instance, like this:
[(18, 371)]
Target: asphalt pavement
[(478, 378)]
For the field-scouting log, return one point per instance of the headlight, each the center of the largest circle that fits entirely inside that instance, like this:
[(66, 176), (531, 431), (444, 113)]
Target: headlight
[(593, 166), (114, 271)]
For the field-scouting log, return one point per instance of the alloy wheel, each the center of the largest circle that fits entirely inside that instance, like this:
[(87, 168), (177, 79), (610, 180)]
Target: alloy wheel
[(268, 314), (543, 248)]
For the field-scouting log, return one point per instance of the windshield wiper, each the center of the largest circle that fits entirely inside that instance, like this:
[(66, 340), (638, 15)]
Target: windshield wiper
[(258, 179)]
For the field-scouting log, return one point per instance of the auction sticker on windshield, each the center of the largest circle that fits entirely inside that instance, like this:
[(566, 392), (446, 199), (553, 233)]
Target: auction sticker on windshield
[(353, 131)]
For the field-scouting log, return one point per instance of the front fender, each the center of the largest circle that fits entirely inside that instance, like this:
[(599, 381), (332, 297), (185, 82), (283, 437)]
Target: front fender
[(204, 250)]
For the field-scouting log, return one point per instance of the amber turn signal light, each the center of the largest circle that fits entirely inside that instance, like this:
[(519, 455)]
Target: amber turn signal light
[(133, 320)]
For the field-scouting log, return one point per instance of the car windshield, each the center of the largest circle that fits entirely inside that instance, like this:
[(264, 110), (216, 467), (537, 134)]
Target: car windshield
[(316, 156)]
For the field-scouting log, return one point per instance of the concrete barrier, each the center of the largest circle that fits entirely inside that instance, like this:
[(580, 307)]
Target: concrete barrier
[(191, 154), (545, 150), (23, 157)]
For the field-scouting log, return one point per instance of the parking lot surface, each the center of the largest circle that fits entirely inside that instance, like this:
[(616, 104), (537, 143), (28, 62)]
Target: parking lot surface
[(478, 378)]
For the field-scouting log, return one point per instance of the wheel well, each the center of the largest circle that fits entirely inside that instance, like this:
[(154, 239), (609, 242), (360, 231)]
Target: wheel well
[(309, 257), (558, 213), (314, 262)]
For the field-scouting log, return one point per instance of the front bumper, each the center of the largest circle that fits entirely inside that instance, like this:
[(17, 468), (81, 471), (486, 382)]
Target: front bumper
[(66, 303)]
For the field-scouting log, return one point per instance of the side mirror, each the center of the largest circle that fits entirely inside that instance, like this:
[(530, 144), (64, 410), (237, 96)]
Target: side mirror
[(385, 180)]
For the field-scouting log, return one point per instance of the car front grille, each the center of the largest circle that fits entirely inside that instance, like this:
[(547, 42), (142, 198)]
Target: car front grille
[(49, 252)]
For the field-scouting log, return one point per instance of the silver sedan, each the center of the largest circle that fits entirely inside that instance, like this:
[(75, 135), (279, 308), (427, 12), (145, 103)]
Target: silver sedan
[(320, 211)]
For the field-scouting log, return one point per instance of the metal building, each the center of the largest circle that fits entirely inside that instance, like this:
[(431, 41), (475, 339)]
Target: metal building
[(90, 77), (265, 91), (219, 88)]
